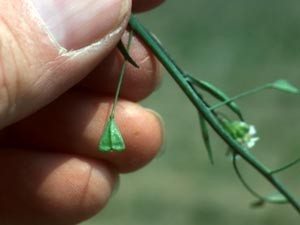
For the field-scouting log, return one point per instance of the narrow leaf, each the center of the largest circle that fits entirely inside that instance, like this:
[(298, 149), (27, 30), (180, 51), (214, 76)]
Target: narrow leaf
[(217, 93), (126, 54), (111, 139), (276, 198), (284, 85), (206, 139)]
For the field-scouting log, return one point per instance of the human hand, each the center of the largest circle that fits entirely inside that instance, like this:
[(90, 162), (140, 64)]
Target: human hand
[(56, 92)]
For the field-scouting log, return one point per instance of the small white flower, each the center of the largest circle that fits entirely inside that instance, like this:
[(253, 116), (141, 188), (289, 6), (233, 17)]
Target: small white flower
[(242, 132), (250, 138)]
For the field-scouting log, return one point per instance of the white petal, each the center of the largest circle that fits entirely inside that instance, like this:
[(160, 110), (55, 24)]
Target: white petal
[(252, 130), (252, 142), (243, 124)]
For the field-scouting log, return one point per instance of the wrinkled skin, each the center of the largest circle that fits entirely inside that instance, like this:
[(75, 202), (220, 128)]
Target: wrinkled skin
[(53, 107)]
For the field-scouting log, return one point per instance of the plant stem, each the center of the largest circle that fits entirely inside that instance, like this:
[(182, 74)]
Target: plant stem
[(200, 105), (244, 94), (285, 167), (241, 178), (112, 114), (121, 77)]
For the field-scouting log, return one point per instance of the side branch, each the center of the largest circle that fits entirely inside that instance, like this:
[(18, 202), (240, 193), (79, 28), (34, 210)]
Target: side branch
[(178, 75)]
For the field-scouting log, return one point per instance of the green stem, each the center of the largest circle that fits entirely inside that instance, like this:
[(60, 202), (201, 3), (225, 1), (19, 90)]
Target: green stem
[(244, 94), (198, 102), (121, 78), (285, 167), (112, 114), (247, 186), (241, 178)]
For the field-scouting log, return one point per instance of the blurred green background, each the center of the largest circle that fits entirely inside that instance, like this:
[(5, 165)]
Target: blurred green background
[(237, 45)]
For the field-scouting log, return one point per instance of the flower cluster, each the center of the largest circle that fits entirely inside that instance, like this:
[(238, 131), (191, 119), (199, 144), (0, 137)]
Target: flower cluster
[(243, 133)]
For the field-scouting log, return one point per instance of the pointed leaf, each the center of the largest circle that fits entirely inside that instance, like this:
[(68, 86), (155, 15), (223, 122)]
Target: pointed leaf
[(126, 54), (217, 93), (276, 198), (206, 138), (285, 86), (111, 139)]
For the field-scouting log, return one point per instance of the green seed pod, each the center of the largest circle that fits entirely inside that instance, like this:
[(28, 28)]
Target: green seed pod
[(283, 85), (111, 139)]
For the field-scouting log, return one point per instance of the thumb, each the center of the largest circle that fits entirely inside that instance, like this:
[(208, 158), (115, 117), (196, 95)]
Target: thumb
[(77, 23), (48, 46)]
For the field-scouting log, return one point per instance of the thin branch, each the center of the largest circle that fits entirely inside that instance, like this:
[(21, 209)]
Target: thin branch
[(241, 178), (286, 166), (175, 71), (122, 73), (244, 94)]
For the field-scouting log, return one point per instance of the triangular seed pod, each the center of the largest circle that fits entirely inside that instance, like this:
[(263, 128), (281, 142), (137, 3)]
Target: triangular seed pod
[(283, 85), (111, 139)]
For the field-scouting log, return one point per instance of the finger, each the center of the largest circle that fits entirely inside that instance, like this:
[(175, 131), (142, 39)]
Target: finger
[(51, 188), (38, 60), (143, 5), (74, 124), (138, 83)]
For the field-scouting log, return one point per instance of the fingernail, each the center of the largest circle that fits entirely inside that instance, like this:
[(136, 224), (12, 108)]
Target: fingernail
[(161, 121), (75, 24)]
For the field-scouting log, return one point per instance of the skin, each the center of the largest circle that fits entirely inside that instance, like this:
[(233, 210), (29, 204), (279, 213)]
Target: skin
[(50, 169)]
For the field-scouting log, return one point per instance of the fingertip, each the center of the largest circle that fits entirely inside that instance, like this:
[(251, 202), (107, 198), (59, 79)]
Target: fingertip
[(74, 124), (138, 83), (76, 24), (141, 82)]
